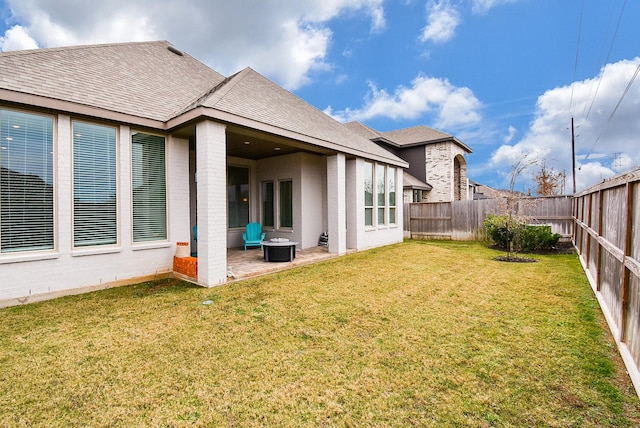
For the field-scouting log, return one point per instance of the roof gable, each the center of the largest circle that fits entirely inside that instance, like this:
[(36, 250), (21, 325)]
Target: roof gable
[(147, 79), (250, 95)]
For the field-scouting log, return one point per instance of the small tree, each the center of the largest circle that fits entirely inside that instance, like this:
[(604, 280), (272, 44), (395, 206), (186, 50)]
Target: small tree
[(549, 182), (515, 224)]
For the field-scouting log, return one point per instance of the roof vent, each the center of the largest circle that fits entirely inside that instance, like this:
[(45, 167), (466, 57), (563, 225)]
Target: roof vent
[(175, 51)]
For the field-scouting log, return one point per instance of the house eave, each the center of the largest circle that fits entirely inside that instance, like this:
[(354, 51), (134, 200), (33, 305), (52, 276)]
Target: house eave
[(200, 112), (436, 141), (25, 100)]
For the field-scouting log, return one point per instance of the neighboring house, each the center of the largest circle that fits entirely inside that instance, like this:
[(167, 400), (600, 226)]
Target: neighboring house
[(111, 154), (480, 191), (436, 160)]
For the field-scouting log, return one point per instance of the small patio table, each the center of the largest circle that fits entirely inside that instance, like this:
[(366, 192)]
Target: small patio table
[(279, 250)]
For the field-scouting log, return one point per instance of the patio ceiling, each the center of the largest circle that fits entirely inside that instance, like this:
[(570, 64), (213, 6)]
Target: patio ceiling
[(252, 144)]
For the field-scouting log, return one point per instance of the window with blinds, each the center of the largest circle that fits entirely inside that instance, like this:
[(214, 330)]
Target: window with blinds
[(391, 189), (368, 194), (381, 200), (94, 185), (26, 182), (149, 187)]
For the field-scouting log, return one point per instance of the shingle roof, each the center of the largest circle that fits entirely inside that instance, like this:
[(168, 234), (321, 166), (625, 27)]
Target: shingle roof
[(411, 182), (421, 134), (250, 95), (146, 79), (415, 135), (153, 80), (364, 130)]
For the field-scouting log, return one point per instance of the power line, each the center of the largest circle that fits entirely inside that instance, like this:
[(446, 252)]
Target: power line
[(604, 42), (575, 65), (626, 90), (615, 33)]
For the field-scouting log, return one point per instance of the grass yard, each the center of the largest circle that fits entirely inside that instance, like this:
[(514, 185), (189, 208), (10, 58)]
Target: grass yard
[(414, 334)]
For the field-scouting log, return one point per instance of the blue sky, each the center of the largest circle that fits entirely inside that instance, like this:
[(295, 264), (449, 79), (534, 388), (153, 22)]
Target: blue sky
[(503, 76)]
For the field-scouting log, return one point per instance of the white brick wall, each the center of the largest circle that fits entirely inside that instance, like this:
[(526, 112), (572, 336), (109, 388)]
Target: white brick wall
[(211, 160), (360, 237), (336, 204), (33, 276)]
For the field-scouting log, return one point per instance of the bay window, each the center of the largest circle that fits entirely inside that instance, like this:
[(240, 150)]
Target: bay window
[(368, 194), (380, 208)]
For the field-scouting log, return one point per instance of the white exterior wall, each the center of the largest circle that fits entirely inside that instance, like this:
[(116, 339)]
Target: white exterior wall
[(313, 195), (307, 173), (34, 276), (439, 171), (359, 236), (211, 167), (336, 204)]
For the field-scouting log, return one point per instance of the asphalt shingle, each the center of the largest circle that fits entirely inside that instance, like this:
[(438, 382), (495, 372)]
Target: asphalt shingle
[(144, 79)]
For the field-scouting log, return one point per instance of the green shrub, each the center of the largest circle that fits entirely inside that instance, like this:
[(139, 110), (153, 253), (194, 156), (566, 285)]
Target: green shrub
[(539, 238), (497, 230), (523, 237)]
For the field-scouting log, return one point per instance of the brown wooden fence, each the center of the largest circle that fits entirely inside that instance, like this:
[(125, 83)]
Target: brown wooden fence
[(463, 220), (607, 237)]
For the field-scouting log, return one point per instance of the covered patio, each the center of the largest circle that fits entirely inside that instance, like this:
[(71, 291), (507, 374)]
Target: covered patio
[(250, 263)]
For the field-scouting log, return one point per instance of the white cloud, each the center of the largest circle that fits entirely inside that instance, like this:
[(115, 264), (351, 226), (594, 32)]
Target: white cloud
[(442, 20), (287, 41), (511, 135), (604, 146), (17, 38), (483, 6), (451, 106)]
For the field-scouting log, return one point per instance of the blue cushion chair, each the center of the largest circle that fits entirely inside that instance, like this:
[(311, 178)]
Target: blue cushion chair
[(254, 236)]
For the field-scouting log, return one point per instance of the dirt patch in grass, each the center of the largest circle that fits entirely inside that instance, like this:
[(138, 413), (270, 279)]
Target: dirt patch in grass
[(416, 334), (515, 259)]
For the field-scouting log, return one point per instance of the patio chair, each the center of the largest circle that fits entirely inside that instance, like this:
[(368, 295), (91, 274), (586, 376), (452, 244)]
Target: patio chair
[(254, 236)]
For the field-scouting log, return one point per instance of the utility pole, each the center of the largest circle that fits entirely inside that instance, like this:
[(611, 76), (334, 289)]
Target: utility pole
[(573, 155)]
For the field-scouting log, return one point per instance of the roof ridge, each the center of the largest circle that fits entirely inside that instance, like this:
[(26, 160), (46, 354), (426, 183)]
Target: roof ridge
[(420, 126), (78, 47), (373, 130), (220, 89)]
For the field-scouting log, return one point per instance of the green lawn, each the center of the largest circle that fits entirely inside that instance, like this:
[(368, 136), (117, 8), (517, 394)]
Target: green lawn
[(414, 334)]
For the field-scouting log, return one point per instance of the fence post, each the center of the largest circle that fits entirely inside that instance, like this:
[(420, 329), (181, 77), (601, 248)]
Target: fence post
[(626, 252)]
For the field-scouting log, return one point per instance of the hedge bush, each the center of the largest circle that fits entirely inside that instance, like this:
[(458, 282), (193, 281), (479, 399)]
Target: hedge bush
[(524, 237)]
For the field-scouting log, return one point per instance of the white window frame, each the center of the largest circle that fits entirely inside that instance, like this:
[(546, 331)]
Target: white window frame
[(280, 208), (106, 240), (264, 200), (157, 232), (369, 176), (49, 245), (383, 207)]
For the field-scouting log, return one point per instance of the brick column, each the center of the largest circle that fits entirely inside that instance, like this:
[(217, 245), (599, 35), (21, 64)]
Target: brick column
[(211, 187), (336, 204)]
